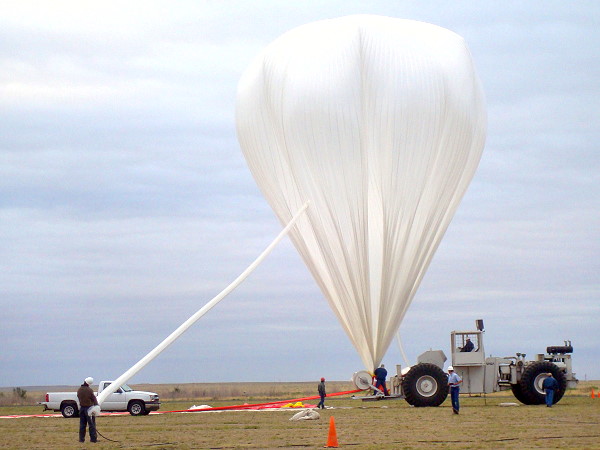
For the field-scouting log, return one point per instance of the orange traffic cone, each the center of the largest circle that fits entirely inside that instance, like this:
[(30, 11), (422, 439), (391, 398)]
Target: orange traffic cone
[(332, 438), (592, 393)]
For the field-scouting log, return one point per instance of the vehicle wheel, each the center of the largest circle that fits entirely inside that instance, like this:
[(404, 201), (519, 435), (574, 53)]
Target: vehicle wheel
[(425, 385), (69, 410), (532, 379), (136, 408), (517, 392)]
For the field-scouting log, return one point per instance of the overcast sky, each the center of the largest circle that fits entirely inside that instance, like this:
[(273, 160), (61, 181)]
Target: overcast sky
[(126, 204)]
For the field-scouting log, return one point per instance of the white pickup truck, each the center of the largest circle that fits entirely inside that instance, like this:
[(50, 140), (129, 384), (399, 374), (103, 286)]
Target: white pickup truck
[(138, 403)]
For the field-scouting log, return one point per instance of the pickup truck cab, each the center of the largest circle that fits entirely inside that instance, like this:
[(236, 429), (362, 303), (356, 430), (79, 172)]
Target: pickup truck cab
[(138, 403)]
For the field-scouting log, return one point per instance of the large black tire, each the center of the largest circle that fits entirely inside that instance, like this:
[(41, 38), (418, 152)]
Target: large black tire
[(136, 408), (425, 385), (518, 393), (532, 379), (69, 410)]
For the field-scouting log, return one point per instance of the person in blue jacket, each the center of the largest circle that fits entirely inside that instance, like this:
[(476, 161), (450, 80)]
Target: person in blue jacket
[(469, 346), (550, 385), (380, 376)]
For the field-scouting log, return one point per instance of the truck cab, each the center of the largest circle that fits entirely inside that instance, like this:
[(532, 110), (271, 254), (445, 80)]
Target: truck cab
[(469, 361), (464, 354), (126, 398)]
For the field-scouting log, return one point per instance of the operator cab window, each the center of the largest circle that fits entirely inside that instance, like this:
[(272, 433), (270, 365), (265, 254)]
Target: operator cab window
[(467, 343)]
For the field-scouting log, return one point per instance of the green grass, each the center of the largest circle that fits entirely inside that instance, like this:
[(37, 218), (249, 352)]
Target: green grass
[(390, 424)]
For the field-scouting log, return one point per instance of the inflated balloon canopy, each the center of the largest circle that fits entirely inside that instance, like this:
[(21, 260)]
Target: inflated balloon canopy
[(380, 124)]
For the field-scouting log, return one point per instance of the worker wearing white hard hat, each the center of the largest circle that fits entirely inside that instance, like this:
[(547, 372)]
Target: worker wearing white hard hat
[(454, 381), (87, 399)]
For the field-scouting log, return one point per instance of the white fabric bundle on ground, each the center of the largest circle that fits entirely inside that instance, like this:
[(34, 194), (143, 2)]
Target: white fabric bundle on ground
[(307, 414)]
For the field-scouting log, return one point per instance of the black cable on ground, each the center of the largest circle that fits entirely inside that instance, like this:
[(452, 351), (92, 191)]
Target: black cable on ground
[(154, 445), (137, 445), (105, 436)]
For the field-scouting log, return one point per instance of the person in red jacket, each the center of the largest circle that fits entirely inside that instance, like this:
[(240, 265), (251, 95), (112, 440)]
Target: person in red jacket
[(87, 399)]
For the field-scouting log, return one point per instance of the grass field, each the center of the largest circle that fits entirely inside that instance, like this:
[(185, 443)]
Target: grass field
[(390, 424)]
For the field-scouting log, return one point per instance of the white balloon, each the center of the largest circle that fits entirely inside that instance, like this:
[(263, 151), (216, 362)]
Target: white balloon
[(380, 124)]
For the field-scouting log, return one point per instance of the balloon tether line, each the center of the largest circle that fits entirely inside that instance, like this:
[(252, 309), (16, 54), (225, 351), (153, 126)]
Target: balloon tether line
[(194, 318)]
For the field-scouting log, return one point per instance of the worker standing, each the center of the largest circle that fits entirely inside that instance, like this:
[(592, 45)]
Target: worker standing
[(380, 377), (87, 399), (550, 385), (454, 381), (322, 393)]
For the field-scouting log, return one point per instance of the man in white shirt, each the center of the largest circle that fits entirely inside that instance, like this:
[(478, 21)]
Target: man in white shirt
[(454, 382)]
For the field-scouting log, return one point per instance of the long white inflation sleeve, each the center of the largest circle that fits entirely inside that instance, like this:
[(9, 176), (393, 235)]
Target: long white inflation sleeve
[(188, 323)]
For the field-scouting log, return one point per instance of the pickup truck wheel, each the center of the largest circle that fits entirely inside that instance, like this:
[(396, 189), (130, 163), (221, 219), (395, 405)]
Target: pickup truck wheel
[(532, 379), (425, 385), (136, 408), (69, 410)]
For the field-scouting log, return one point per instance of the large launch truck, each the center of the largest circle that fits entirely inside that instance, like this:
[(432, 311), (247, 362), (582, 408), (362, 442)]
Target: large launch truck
[(425, 383)]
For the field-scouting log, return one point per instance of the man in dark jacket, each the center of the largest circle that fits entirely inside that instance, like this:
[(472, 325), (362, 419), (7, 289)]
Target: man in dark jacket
[(469, 346), (381, 376), (322, 393), (87, 399), (550, 385)]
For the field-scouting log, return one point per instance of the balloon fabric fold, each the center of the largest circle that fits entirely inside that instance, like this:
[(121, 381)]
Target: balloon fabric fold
[(380, 123)]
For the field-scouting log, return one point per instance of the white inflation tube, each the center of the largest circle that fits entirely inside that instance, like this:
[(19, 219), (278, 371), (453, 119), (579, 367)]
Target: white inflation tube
[(188, 323)]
